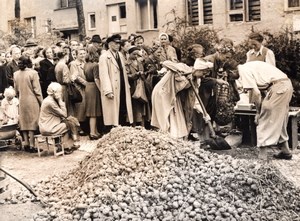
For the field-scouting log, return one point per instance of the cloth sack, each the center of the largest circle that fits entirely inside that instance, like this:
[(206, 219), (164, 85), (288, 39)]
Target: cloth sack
[(140, 92), (74, 94)]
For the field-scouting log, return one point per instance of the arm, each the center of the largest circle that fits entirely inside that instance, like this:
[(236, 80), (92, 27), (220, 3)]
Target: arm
[(255, 97), (105, 80), (58, 108), (37, 87), (96, 76), (66, 74), (270, 57)]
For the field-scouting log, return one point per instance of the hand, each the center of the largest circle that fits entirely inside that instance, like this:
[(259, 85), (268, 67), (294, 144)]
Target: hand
[(221, 81), (256, 118), (110, 96)]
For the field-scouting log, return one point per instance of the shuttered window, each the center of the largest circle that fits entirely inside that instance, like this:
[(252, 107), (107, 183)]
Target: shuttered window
[(199, 12), (293, 3), (244, 10), (67, 3)]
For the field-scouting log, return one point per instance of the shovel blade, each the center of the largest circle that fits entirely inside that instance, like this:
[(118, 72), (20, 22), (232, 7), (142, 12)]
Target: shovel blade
[(218, 143)]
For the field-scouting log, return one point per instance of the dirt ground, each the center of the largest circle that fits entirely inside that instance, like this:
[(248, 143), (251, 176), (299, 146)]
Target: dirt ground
[(31, 169)]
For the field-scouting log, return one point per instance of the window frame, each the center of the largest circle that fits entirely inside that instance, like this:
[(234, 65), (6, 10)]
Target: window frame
[(151, 11), (31, 23), (61, 3), (245, 12), (89, 21), (201, 15), (287, 8)]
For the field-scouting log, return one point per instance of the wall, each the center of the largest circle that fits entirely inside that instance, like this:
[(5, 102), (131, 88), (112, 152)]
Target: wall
[(273, 17)]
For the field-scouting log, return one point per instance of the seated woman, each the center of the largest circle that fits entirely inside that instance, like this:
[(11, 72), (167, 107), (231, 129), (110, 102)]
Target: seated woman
[(53, 118)]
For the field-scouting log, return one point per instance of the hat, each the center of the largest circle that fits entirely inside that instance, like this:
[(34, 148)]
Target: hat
[(256, 36), (132, 49), (30, 43), (96, 39), (116, 38)]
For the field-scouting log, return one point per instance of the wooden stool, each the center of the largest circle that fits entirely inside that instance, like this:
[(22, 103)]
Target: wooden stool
[(50, 140)]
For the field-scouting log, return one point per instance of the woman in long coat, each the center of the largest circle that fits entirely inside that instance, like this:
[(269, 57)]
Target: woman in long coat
[(77, 76), (110, 79), (28, 89)]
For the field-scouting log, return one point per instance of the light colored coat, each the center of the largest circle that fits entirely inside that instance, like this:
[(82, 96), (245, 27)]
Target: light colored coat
[(52, 113), (110, 83), (29, 91)]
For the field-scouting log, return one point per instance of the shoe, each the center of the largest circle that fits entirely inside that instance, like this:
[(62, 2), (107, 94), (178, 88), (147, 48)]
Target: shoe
[(283, 156), (26, 148), (192, 138), (75, 146), (82, 133), (68, 151), (94, 137), (34, 150)]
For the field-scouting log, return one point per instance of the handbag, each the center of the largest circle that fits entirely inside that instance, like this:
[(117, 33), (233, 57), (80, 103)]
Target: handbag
[(224, 105), (74, 94), (140, 92)]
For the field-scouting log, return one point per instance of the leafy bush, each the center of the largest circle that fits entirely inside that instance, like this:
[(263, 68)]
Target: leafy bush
[(185, 35)]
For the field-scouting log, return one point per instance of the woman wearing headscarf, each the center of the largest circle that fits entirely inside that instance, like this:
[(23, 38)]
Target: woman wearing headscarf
[(53, 118), (168, 52), (141, 109), (28, 89)]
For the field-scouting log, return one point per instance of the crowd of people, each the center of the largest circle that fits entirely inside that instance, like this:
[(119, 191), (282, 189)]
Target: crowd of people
[(125, 82)]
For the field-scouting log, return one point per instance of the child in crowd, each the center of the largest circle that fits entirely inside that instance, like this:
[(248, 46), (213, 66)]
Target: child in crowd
[(9, 106)]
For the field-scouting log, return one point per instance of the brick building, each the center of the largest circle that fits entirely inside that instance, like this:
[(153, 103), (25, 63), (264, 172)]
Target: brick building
[(231, 18)]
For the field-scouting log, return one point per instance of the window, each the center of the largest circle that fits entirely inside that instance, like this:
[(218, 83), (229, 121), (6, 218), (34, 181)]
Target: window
[(67, 3), (199, 12), (92, 21), (146, 14), (244, 10), (31, 24), (64, 3), (291, 5), (122, 9)]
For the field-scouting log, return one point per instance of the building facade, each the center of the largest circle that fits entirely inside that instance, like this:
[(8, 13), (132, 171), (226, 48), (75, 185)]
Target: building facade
[(231, 18)]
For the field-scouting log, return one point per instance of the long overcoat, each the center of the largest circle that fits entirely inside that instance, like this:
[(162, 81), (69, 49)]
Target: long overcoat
[(28, 89), (109, 73)]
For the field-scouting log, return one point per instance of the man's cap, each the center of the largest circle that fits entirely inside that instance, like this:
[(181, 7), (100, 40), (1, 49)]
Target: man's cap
[(96, 39), (30, 43), (116, 38)]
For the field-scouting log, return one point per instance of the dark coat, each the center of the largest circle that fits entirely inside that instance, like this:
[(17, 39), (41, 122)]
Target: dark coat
[(11, 68), (47, 75), (3, 79)]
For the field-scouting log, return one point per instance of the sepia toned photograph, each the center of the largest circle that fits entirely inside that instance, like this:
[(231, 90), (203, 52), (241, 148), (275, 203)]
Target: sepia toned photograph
[(150, 110)]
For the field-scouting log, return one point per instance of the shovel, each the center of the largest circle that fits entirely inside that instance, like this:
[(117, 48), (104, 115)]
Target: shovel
[(215, 142), (26, 186)]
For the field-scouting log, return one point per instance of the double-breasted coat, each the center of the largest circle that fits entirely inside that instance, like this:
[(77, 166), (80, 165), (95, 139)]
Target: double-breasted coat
[(109, 73)]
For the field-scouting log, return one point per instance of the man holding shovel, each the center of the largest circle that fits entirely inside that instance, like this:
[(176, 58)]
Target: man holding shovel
[(272, 111)]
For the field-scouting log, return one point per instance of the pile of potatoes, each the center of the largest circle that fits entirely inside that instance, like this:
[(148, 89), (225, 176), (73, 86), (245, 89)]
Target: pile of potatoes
[(137, 174)]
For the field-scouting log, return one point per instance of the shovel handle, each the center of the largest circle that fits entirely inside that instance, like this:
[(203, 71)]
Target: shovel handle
[(205, 114)]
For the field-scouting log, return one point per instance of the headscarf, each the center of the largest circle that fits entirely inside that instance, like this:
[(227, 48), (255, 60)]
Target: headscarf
[(53, 87), (164, 34)]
